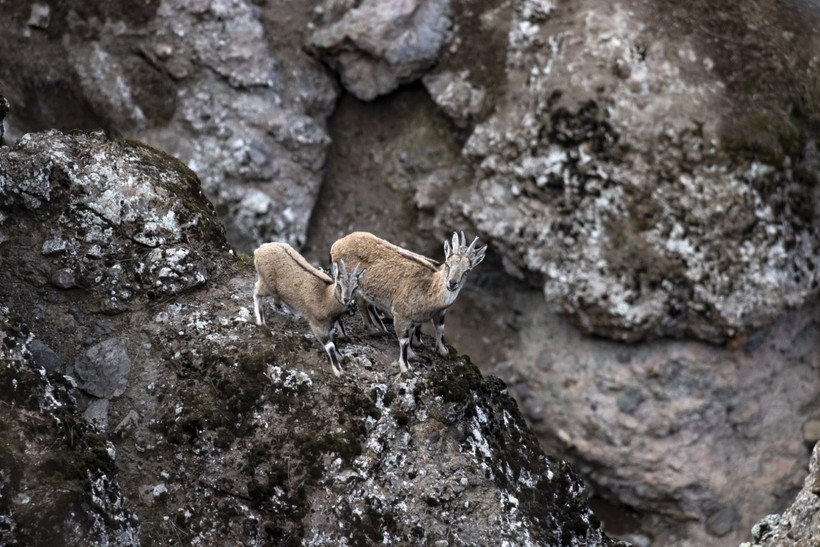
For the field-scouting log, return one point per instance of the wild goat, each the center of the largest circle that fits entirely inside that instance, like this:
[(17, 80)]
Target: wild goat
[(411, 287), (285, 275)]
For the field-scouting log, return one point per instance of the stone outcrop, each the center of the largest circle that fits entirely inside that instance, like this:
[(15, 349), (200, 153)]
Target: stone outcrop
[(177, 419), (120, 219), (377, 46), (608, 168), (696, 442), (799, 524)]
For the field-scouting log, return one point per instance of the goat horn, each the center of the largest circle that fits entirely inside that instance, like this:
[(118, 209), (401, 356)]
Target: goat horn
[(472, 246), (343, 267), (356, 269)]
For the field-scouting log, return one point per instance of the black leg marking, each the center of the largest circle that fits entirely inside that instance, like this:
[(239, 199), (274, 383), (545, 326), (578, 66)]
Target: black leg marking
[(330, 348), (404, 345), (416, 333)]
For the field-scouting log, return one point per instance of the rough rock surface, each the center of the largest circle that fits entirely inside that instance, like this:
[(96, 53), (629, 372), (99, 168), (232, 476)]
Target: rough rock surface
[(58, 476), (228, 432), (799, 525), (614, 160), (745, 404), (626, 414), (223, 86), (607, 167), (377, 46), (689, 443), (678, 197), (123, 221)]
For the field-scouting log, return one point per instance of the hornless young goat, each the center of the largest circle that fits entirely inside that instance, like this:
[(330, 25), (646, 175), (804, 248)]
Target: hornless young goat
[(286, 276), (411, 287)]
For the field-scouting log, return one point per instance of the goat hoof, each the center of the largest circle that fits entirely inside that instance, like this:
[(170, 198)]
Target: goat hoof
[(402, 370)]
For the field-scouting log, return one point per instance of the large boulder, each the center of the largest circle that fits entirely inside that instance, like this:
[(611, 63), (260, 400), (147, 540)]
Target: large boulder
[(93, 227), (115, 218), (252, 438), (377, 46), (690, 443), (619, 166)]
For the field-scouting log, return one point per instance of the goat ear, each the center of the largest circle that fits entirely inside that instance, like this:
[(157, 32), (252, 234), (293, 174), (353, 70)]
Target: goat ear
[(455, 242), (335, 271), (446, 249), (463, 239), (479, 256)]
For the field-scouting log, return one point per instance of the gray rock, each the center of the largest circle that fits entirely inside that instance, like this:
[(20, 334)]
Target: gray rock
[(44, 356), (673, 404), (223, 88), (45, 422), (456, 96), (128, 423), (722, 522), (64, 279), (103, 370), (377, 45), (261, 135), (811, 431), (96, 414), (40, 16), (54, 247), (765, 525), (533, 409), (630, 399)]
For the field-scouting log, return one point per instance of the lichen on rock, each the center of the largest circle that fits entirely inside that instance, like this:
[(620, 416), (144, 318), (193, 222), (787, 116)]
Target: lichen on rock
[(109, 217), (798, 525), (58, 476), (620, 190), (225, 431)]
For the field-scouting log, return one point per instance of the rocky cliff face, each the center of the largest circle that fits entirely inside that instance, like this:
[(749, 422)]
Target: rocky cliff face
[(797, 525), (641, 170), (144, 406), (212, 83)]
